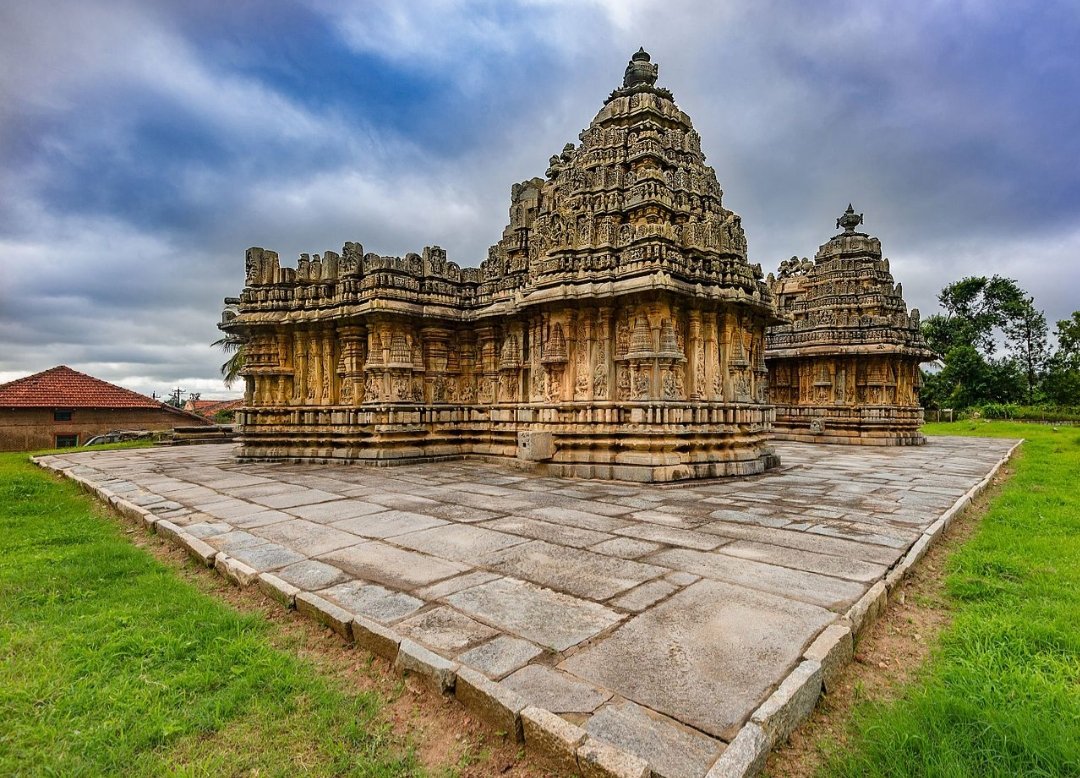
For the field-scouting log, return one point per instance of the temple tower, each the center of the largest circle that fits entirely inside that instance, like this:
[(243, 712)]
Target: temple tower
[(844, 368)]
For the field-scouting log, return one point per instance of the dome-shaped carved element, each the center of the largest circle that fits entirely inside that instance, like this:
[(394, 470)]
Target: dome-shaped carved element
[(510, 356), (641, 342), (555, 349), (669, 342), (400, 354), (641, 70)]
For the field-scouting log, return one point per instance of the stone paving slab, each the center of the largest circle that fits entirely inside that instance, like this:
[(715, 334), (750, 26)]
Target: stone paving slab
[(656, 618)]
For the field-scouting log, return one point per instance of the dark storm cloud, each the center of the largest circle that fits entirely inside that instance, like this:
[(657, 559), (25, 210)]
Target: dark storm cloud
[(143, 146)]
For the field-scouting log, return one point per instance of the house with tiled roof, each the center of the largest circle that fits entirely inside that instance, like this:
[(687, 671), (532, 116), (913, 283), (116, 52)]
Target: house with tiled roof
[(61, 407), (213, 410)]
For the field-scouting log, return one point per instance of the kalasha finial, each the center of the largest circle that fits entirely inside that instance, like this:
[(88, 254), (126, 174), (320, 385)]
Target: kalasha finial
[(640, 70), (850, 220)]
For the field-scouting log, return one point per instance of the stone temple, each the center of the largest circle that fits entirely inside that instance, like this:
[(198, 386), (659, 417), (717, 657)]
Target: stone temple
[(616, 330), (845, 367)]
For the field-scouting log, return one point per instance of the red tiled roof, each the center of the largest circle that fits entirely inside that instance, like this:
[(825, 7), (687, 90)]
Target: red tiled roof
[(62, 387), (208, 408)]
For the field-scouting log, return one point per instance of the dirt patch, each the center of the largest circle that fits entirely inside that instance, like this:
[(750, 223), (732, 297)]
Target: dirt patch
[(448, 741), (890, 653)]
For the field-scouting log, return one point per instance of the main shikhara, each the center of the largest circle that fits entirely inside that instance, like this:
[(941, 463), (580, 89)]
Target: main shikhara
[(616, 330)]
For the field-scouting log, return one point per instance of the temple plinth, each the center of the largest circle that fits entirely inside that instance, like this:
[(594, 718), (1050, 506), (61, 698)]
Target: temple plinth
[(844, 368), (616, 330)]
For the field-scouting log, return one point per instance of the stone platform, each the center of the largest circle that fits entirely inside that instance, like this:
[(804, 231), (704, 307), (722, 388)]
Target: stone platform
[(691, 625)]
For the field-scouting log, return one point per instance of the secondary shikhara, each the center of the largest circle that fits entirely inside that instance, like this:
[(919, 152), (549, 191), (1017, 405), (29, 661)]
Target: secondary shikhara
[(616, 330)]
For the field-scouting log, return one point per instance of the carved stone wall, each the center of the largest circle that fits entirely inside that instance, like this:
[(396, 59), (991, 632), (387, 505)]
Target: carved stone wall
[(616, 330), (844, 368)]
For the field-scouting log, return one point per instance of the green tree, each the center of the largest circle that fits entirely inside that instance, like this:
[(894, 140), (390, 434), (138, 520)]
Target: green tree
[(231, 367), (980, 313), (1062, 384)]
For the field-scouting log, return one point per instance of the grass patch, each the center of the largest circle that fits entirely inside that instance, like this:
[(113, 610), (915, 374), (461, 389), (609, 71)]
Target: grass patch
[(112, 664), (1000, 695)]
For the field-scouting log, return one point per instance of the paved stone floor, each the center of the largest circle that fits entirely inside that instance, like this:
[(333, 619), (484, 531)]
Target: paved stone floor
[(656, 617)]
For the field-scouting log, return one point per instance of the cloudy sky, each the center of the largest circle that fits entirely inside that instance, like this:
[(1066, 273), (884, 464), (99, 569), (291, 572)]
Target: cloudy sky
[(144, 145)]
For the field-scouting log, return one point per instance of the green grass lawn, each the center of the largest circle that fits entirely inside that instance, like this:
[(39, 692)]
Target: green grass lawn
[(1000, 695), (110, 663)]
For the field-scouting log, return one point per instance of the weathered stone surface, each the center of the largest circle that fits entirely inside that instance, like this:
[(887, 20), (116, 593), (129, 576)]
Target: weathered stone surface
[(388, 523), (456, 584), (436, 671), (549, 531), (373, 601), (571, 570), (791, 704), (500, 656), (817, 589), (312, 575), (394, 567), (734, 643), (463, 542), (673, 536), (627, 548), (555, 691), (445, 630), (597, 759), (552, 736), (307, 537), (325, 612), (266, 556), (833, 649), (641, 597), (553, 620), (826, 564), (672, 751), (491, 701)]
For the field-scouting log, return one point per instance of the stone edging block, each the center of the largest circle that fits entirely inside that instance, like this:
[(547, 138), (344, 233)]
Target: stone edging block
[(376, 638), (326, 613), (791, 703), (236, 571), (864, 612), (744, 756), (597, 759), (277, 589), (552, 736), (491, 701), (438, 672), (834, 648)]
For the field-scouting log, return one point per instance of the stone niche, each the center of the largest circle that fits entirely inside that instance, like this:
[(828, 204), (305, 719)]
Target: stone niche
[(844, 368), (616, 330)]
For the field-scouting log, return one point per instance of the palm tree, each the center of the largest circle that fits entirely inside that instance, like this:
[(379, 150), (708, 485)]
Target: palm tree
[(231, 367)]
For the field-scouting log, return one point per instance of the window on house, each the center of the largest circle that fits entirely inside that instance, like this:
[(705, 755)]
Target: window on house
[(61, 415), (67, 441)]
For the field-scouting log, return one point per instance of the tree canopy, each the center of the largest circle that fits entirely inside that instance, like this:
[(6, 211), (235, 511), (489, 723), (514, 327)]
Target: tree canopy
[(994, 344)]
